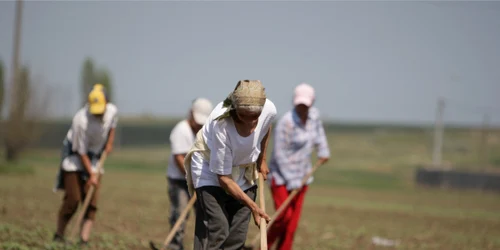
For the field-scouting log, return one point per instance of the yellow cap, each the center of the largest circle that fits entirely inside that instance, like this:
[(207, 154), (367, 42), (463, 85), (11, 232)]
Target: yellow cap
[(98, 86), (97, 101)]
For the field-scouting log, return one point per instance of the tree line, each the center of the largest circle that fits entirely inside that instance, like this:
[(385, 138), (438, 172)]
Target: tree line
[(27, 105)]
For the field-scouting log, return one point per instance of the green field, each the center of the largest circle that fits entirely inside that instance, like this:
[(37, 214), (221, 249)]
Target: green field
[(366, 190)]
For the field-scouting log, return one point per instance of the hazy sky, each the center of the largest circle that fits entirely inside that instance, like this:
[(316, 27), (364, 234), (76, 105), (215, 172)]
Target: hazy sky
[(369, 61)]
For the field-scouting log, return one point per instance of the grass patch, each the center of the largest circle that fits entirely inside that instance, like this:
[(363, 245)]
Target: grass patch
[(495, 161), (20, 168), (14, 237), (365, 190), (358, 178), (134, 166)]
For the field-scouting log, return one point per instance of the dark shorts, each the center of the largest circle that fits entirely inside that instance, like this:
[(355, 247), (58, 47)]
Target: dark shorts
[(221, 220), (179, 198)]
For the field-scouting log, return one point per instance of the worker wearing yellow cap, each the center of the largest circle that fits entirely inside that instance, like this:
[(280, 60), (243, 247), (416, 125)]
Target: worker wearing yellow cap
[(92, 132)]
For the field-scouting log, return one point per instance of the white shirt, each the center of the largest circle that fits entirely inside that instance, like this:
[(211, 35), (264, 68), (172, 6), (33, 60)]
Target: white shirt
[(181, 140), (88, 134), (227, 148)]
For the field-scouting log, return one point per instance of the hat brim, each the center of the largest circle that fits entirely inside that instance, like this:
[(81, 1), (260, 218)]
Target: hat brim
[(97, 109), (303, 100), (199, 118)]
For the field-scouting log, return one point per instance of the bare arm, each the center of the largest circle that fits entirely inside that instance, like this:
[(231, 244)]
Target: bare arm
[(322, 161), (86, 163), (80, 145), (111, 140), (235, 191), (179, 159), (321, 142), (262, 160), (228, 184)]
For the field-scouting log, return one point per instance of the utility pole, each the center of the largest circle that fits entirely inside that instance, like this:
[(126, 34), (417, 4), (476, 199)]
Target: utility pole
[(15, 56), (438, 134)]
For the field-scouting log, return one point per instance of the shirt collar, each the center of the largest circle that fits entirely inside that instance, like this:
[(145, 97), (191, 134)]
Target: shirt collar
[(91, 117), (296, 118)]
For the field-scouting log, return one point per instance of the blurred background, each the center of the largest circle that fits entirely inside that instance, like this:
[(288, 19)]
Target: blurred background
[(408, 92)]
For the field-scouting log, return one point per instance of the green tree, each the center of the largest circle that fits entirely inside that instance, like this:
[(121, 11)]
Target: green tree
[(103, 77), (91, 75), (87, 78)]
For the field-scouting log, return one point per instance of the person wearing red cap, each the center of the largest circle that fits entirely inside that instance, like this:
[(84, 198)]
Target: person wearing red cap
[(92, 132), (297, 133)]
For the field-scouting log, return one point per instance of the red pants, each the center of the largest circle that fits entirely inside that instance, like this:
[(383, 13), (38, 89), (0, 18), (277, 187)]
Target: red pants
[(285, 225)]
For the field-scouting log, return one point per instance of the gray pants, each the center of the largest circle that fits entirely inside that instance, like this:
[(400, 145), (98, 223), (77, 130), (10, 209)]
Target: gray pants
[(179, 198), (221, 220)]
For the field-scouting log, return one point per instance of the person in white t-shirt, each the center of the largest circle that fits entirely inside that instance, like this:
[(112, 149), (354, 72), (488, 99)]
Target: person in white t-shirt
[(223, 164), (92, 132), (181, 139)]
